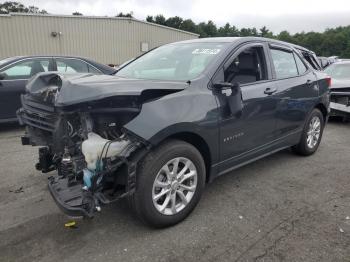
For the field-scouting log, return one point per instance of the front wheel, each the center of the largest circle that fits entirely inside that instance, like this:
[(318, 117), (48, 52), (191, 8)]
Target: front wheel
[(312, 134), (170, 181)]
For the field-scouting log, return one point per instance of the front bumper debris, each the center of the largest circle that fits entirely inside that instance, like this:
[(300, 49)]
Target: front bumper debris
[(72, 200), (75, 201)]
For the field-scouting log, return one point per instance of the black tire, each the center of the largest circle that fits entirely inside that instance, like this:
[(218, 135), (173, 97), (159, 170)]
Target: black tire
[(302, 147), (141, 201)]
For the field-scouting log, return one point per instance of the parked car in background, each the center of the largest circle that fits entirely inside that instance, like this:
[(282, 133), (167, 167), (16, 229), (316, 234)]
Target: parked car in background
[(333, 59), (324, 61), (15, 72), (340, 88), (171, 121)]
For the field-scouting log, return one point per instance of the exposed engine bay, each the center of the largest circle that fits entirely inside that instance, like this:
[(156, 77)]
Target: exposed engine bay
[(95, 157), (87, 150)]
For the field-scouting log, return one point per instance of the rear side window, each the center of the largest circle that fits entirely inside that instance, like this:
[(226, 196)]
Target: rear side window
[(94, 70), (71, 66), (284, 63), (301, 66)]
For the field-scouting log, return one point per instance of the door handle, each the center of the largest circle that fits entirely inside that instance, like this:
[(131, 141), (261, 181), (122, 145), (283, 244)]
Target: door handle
[(270, 91)]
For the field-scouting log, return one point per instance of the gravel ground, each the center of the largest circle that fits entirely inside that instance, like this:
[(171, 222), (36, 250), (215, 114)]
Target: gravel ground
[(281, 208)]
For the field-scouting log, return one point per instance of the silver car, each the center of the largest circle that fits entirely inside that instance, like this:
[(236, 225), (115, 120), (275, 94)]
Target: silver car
[(340, 88)]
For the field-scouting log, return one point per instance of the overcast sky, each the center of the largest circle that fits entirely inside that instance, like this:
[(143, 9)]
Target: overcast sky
[(291, 15)]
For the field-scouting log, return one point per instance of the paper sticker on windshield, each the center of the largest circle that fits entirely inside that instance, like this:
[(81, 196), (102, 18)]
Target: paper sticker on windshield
[(206, 51)]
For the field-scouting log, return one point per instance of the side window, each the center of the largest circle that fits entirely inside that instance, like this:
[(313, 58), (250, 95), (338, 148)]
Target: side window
[(65, 65), (26, 69), (247, 67), (93, 70), (284, 63), (300, 64)]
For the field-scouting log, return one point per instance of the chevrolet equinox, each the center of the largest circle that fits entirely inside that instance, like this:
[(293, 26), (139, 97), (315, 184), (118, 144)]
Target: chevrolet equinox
[(171, 121)]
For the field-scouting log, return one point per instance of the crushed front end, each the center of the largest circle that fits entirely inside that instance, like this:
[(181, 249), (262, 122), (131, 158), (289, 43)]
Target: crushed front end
[(85, 142)]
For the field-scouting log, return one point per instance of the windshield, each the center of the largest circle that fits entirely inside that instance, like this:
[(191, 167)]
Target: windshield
[(183, 61), (338, 71)]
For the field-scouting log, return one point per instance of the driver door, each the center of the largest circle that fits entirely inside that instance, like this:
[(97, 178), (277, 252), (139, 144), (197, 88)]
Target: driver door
[(245, 135)]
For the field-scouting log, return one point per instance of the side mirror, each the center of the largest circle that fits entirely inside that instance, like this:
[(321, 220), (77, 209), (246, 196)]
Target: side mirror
[(2, 75), (235, 101)]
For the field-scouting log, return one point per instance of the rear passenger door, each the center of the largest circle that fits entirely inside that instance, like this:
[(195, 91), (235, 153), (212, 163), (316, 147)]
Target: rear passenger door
[(297, 89)]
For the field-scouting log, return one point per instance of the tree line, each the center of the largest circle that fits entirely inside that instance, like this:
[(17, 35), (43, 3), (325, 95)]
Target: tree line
[(333, 41), (16, 7)]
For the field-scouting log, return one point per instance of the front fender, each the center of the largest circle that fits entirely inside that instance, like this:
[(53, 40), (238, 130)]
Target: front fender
[(185, 111)]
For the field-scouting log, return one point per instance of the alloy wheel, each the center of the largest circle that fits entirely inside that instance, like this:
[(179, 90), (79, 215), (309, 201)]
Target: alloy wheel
[(314, 132), (174, 186)]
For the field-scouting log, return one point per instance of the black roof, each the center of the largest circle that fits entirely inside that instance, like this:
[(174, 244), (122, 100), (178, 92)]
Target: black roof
[(243, 39)]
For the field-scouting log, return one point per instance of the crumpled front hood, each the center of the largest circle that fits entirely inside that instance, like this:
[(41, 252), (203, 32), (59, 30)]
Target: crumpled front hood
[(69, 89)]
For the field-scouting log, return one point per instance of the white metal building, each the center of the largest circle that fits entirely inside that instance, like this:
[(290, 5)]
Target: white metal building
[(109, 40)]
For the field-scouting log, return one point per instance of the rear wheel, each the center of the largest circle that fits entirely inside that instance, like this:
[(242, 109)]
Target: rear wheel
[(170, 182), (312, 134)]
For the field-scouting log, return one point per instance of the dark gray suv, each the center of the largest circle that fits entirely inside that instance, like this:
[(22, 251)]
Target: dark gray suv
[(171, 121)]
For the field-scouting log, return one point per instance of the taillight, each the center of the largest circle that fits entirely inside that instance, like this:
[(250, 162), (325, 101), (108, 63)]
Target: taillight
[(328, 81)]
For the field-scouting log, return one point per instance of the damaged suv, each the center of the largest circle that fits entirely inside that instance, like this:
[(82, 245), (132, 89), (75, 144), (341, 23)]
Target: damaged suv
[(171, 121)]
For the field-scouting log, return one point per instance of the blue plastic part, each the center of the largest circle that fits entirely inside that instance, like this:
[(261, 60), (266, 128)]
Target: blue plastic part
[(88, 174), (87, 177)]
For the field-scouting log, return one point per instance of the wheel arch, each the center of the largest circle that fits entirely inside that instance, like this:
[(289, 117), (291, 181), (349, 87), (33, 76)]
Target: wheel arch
[(323, 110), (195, 140), (200, 144)]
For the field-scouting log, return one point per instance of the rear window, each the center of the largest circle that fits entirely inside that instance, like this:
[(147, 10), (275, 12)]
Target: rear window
[(68, 65), (94, 70)]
